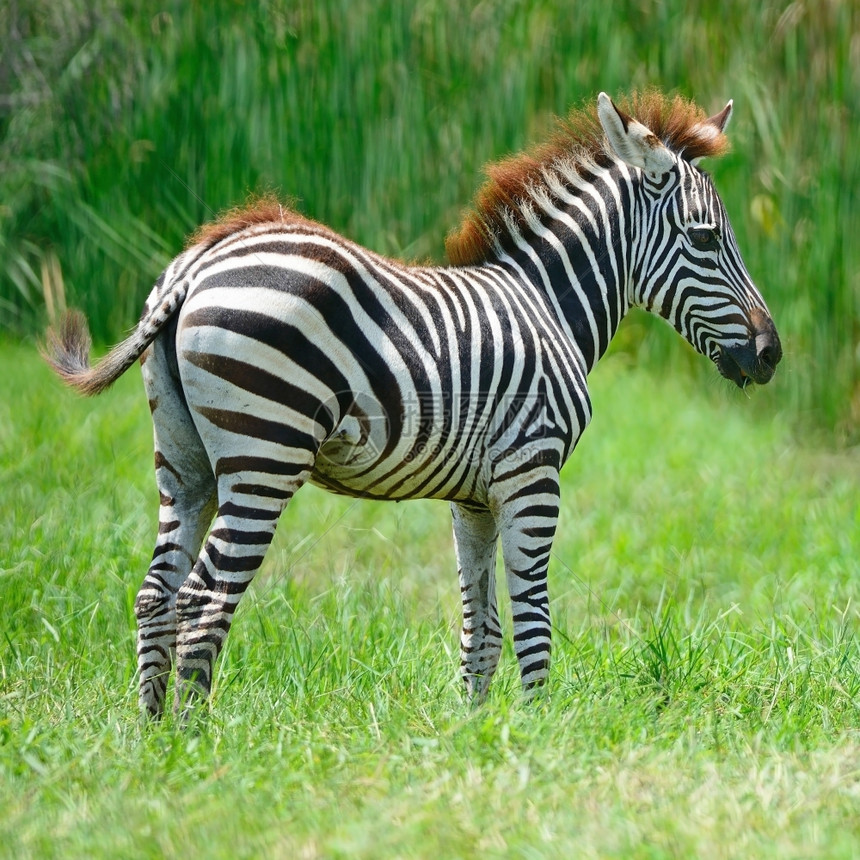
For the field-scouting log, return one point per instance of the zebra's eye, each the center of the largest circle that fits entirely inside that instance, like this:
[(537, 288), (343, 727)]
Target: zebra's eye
[(704, 238)]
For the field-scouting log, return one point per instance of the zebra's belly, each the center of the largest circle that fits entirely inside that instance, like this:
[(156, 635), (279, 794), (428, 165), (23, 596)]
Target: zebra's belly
[(362, 469)]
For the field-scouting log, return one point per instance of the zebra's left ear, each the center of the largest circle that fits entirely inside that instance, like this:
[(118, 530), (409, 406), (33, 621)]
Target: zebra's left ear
[(720, 120), (714, 126), (631, 141)]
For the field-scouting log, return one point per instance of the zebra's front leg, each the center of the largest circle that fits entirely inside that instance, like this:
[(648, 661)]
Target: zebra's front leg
[(475, 539), (528, 515)]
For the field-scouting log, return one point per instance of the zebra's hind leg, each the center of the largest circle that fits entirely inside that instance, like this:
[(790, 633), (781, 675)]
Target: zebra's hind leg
[(250, 504), (475, 540), (528, 514), (186, 487)]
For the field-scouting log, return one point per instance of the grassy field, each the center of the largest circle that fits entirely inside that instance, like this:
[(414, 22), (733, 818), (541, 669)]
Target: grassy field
[(122, 128), (704, 696)]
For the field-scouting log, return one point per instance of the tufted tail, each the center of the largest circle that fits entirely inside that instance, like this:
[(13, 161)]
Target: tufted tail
[(67, 350), (67, 344)]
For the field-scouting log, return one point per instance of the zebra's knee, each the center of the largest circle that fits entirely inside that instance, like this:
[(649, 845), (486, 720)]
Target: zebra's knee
[(191, 600), (153, 601)]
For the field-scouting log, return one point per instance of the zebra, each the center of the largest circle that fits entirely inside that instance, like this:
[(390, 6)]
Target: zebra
[(275, 352)]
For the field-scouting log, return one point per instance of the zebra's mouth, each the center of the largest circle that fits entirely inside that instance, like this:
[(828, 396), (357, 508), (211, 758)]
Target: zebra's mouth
[(745, 364), (730, 368)]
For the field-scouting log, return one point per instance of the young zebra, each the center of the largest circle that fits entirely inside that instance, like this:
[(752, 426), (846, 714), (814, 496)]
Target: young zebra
[(276, 352)]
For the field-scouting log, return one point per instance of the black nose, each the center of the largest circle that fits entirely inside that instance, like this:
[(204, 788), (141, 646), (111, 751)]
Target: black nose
[(769, 354), (768, 349), (756, 359)]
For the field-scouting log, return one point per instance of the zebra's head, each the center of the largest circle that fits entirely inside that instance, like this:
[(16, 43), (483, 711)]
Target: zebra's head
[(686, 264)]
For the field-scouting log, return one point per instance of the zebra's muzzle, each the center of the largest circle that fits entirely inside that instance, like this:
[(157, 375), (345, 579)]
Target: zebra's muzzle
[(755, 360)]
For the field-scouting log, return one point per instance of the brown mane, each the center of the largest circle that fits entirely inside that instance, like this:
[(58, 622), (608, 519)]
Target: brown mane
[(266, 209), (578, 140)]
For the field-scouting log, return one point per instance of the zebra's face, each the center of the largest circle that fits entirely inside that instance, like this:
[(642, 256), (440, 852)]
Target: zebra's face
[(687, 263), (695, 278)]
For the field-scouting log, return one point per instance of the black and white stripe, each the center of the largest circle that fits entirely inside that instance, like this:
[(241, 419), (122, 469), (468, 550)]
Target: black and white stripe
[(283, 353)]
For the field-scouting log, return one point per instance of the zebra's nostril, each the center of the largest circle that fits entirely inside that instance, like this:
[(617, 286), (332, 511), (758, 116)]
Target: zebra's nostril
[(769, 353), (767, 346), (767, 356)]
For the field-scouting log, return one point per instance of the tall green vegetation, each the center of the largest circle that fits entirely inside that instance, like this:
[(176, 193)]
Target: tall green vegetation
[(124, 124)]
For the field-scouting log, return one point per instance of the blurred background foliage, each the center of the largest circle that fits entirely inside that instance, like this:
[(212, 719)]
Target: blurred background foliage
[(126, 123)]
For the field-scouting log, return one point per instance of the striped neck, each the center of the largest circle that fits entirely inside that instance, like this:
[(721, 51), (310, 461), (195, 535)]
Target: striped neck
[(571, 242)]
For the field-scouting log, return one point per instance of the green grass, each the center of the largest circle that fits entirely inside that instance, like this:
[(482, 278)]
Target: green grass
[(124, 129), (704, 695)]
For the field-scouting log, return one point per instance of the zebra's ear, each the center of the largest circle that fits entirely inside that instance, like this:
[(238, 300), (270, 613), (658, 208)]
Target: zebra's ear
[(712, 128), (721, 120), (631, 141)]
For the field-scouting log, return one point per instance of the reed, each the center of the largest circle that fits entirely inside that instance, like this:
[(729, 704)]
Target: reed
[(122, 130)]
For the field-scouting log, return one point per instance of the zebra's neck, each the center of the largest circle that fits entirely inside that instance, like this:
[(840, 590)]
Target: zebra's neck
[(571, 242)]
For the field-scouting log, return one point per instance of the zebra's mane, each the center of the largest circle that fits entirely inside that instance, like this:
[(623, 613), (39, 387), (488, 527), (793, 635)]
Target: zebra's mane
[(578, 143), (265, 209)]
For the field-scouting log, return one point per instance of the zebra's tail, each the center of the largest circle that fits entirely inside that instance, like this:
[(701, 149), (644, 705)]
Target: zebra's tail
[(67, 350), (67, 346)]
